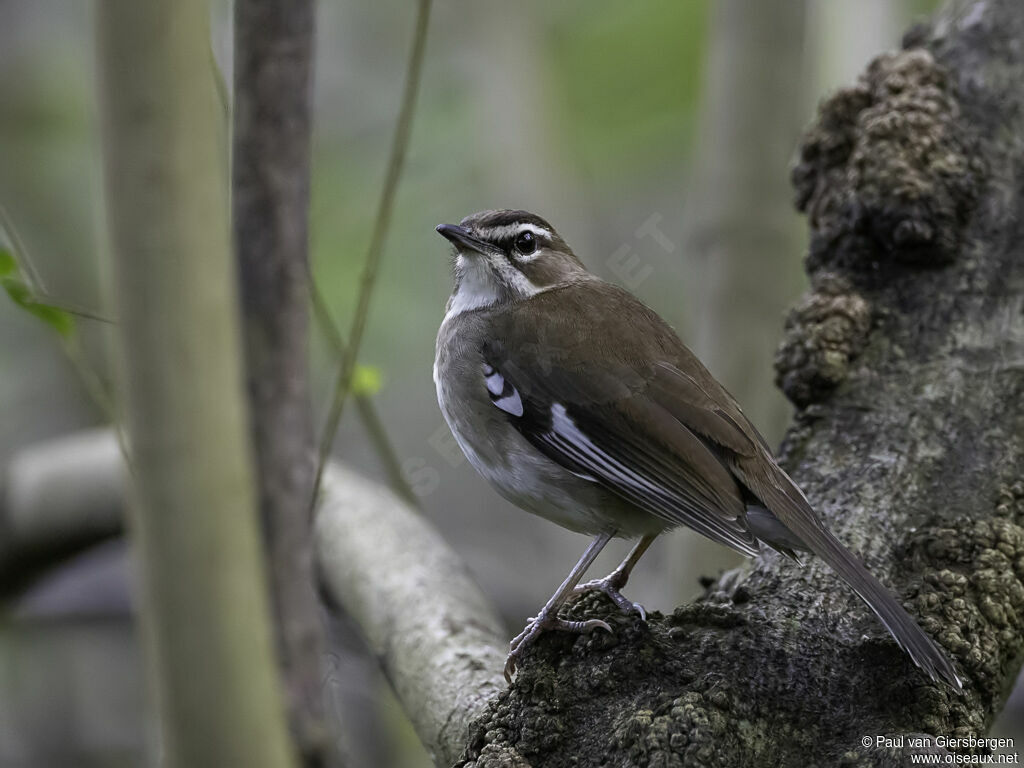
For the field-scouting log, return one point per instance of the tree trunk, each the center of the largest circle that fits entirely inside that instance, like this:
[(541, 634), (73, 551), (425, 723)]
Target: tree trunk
[(194, 522), (270, 197), (906, 361)]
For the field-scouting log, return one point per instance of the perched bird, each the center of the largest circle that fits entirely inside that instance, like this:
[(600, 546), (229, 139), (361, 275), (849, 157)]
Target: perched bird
[(581, 405)]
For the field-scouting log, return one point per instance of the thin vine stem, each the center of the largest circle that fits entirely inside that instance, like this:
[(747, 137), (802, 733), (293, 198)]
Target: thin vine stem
[(367, 410), (399, 145)]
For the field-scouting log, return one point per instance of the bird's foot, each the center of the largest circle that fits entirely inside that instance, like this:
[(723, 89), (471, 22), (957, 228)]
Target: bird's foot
[(537, 625), (610, 585)]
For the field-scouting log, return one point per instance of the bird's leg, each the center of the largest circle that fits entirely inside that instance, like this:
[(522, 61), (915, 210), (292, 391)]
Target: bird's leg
[(616, 580), (548, 616)]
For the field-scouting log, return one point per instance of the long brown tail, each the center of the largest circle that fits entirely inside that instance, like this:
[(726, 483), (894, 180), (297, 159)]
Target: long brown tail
[(910, 637), (793, 513)]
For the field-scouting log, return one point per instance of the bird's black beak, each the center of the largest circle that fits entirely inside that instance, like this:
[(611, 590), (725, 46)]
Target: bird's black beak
[(462, 240)]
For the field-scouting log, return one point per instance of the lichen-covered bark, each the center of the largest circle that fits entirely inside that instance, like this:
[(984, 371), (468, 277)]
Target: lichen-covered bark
[(906, 363)]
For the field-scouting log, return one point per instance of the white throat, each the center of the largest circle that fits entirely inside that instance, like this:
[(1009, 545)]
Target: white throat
[(479, 287)]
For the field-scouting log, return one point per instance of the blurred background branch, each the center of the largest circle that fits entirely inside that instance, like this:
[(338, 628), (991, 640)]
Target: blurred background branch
[(436, 636), (741, 235), (741, 232), (56, 501)]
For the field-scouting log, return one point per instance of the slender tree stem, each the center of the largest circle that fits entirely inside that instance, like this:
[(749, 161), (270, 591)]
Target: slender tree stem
[(271, 128), (35, 280), (204, 609)]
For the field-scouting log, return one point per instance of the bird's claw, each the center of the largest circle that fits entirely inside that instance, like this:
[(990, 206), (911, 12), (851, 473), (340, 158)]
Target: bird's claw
[(610, 585), (537, 625)]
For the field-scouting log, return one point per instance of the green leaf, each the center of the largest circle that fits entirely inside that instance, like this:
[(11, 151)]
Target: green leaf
[(366, 380), (8, 266), (62, 322)]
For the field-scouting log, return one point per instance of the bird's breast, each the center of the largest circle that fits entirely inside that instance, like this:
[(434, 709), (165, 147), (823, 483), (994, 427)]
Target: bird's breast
[(511, 464)]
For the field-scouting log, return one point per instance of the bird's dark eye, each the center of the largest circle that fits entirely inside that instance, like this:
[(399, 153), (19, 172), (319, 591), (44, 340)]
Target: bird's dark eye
[(526, 243)]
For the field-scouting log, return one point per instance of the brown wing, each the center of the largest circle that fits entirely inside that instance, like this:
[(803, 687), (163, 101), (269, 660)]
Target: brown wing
[(601, 410)]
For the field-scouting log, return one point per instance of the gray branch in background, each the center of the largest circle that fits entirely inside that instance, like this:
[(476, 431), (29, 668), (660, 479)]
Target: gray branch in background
[(56, 499), (270, 199), (58, 490), (742, 238), (435, 635)]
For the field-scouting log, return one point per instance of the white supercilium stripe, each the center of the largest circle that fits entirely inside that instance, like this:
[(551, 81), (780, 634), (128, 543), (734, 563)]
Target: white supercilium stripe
[(508, 230)]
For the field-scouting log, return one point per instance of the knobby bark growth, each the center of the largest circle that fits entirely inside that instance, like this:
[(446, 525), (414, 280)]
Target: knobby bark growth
[(270, 199), (906, 362)]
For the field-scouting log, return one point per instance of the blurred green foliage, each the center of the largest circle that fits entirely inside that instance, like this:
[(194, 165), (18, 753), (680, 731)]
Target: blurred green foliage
[(627, 83), (21, 294), (366, 380)]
